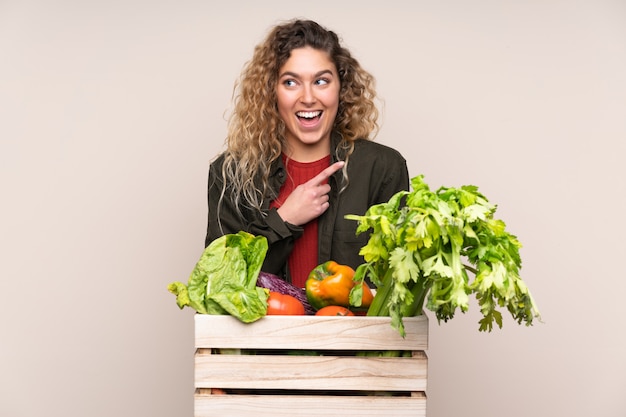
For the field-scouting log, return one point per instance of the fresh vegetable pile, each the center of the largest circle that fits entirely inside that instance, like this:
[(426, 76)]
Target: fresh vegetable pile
[(422, 248), (419, 249)]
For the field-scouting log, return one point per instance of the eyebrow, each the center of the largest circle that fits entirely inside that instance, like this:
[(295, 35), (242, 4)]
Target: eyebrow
[(316, 75)]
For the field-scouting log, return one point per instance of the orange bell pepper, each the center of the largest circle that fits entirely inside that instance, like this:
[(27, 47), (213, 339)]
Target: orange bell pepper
[(330, 284)]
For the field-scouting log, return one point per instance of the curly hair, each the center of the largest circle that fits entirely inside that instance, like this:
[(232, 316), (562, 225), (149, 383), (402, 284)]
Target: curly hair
[(256, 132)]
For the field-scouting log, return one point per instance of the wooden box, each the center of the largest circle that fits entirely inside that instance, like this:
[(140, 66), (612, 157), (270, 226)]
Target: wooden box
[(309, 366)]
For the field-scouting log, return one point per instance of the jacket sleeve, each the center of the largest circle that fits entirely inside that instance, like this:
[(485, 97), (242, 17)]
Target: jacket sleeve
[(224, 218)]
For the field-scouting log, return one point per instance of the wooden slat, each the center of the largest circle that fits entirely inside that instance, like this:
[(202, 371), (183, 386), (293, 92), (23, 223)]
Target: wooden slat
[(310, 332), (309, 406), (311, 372)]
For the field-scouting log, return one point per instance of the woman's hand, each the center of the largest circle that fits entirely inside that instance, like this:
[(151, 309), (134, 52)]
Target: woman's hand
[(309, 200)]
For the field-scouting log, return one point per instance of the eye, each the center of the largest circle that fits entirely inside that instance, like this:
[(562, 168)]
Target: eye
[(289, 83), (322, 81)]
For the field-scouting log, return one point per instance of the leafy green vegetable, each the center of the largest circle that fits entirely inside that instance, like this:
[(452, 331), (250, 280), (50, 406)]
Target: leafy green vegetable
[(419, 242), (224, 279)]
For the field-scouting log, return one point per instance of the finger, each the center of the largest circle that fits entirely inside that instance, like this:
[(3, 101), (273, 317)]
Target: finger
[(322, 189), (321, 178)]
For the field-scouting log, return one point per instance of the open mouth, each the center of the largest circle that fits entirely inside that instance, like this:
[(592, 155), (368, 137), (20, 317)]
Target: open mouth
[(309, 116)]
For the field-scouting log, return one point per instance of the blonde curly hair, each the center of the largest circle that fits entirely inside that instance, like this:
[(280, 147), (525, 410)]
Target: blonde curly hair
[(256, 132)]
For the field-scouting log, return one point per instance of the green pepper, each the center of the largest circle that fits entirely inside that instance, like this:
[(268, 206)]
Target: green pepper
[(330, 284)]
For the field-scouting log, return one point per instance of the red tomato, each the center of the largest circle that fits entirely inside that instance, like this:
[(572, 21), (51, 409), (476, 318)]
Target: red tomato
[(334, 311), (284, 304)]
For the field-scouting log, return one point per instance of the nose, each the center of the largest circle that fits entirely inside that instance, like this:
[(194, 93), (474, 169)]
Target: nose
[(308, 95)]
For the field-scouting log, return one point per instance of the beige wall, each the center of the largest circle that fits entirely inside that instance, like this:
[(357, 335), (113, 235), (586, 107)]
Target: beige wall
[(111, 111)]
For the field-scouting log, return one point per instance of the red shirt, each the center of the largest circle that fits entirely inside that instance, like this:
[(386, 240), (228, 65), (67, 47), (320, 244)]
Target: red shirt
[(303, 257)]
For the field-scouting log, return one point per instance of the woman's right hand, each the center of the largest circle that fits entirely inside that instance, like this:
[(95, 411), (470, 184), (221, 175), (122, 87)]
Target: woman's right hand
[(309, 200)]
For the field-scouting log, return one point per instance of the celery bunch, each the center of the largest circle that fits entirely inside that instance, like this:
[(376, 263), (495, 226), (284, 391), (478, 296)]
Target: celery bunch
[(423, 246)]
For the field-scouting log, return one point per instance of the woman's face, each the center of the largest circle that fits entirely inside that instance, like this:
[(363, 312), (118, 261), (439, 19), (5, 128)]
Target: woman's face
[(308, 99)]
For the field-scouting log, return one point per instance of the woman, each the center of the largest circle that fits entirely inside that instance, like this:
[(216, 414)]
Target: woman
[(299, 153)]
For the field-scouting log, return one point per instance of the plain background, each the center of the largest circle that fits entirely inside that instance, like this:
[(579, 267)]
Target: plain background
[(111, 111)]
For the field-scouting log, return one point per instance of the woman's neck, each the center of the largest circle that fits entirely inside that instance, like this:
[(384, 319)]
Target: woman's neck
[(302, 152)]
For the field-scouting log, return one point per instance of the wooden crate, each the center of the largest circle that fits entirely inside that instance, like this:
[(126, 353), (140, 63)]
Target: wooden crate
[(276, 374)]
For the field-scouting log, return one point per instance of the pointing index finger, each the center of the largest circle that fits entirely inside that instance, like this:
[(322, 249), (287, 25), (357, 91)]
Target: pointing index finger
[(326, 173)]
